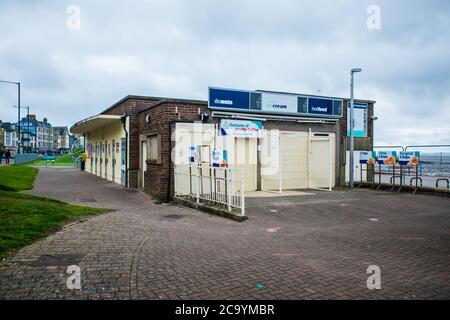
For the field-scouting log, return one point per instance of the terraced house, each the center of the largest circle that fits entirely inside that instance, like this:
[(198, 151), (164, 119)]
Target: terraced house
[(42, 136), (61, 138), (9, 135)]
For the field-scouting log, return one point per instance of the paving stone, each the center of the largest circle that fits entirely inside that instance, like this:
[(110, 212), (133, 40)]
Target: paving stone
[(321, 250)]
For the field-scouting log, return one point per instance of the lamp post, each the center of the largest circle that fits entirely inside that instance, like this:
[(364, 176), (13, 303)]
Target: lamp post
[(18, 111), (352, 124)]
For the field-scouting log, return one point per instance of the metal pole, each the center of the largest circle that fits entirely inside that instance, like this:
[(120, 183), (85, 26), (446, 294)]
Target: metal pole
[(242, 194), (18, 112), (29, 135), (18, 116), (330, 174), (198, 185), (352, 138)]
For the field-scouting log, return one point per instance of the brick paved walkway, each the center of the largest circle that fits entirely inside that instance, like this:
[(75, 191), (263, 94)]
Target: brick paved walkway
[(307, 247)]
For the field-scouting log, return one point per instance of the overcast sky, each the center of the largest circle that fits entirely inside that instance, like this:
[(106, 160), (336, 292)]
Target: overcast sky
[(178, 48)]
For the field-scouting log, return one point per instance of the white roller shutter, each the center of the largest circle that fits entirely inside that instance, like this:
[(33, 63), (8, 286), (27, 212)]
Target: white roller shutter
[(294, 159)]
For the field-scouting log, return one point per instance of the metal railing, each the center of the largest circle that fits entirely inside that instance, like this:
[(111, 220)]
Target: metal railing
[(218, 187), (431, 172)]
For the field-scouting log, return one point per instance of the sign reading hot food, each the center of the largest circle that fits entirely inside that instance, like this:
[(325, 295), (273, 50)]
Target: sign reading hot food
[(367, 157), (387, 157), (320, 106), (409, 158), (241, 128)]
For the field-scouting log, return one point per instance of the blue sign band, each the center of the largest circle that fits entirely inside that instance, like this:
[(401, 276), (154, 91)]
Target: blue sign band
[(221, 98), (320, 106)]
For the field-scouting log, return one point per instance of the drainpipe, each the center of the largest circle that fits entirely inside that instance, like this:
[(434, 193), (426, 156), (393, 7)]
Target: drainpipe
[(123, 119)]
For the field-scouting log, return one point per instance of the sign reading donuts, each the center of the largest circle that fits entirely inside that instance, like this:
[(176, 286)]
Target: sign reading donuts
[(387, 157), (409, 158)]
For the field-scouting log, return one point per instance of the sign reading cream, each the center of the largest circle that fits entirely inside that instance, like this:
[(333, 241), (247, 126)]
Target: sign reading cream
[(241, 128), (279, 103)]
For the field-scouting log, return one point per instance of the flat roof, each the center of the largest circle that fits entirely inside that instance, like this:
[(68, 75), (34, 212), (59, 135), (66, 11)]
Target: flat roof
[(151, 98), (93, 123), (178, 101)]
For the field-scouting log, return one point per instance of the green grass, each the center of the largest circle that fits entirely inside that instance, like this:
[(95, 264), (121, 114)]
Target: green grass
[(25, 218), (16, 178), (64, 160)]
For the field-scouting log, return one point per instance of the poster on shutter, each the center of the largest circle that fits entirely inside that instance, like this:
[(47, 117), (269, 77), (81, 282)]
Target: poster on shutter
[(219, 158), (410, 158), (367, 157), (387, 157), (194, 154)]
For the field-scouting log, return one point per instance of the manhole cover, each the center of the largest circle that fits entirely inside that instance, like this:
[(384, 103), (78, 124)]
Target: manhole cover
[(57, 260), (174, 216), (86, 200)]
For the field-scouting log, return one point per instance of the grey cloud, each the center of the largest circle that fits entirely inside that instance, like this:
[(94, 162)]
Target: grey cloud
[(179, 47)]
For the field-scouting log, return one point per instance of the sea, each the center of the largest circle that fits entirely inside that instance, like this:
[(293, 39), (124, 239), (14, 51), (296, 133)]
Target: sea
[(435, 164)]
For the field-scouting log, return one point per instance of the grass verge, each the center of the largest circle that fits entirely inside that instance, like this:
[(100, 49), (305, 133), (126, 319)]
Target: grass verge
[(64, 160), (25, 218), (16, 178)]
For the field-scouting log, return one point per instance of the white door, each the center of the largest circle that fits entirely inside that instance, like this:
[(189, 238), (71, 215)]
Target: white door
[(322, 161), (294, 159)]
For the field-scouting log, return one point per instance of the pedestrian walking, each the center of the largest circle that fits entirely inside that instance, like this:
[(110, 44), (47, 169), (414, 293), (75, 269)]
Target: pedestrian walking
[(1, 155), (7, 156)]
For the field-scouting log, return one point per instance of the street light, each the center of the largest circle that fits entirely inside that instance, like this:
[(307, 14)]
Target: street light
[(352, 124), (18, 111)]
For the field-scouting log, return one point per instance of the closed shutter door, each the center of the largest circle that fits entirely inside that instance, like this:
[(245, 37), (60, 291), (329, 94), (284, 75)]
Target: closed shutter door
[(246, 159), (322, 151), (294, 159)]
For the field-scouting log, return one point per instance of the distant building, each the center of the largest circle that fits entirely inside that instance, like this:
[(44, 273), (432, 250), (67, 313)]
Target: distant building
[(28, 127), (61, 138), (2, 136), (38, 136), (9, 131), (44, 136)]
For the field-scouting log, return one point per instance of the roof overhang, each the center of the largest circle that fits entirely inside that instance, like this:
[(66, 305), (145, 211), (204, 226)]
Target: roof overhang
[(93, 123)]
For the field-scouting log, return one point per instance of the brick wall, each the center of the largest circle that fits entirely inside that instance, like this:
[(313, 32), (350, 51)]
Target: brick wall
[(132, 107), (157, 178)]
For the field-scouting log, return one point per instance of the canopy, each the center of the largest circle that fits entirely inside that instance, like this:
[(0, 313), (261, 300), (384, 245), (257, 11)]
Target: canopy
[(93, 123)]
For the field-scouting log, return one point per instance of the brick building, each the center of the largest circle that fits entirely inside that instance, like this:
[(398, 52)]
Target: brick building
[(137, 140)]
